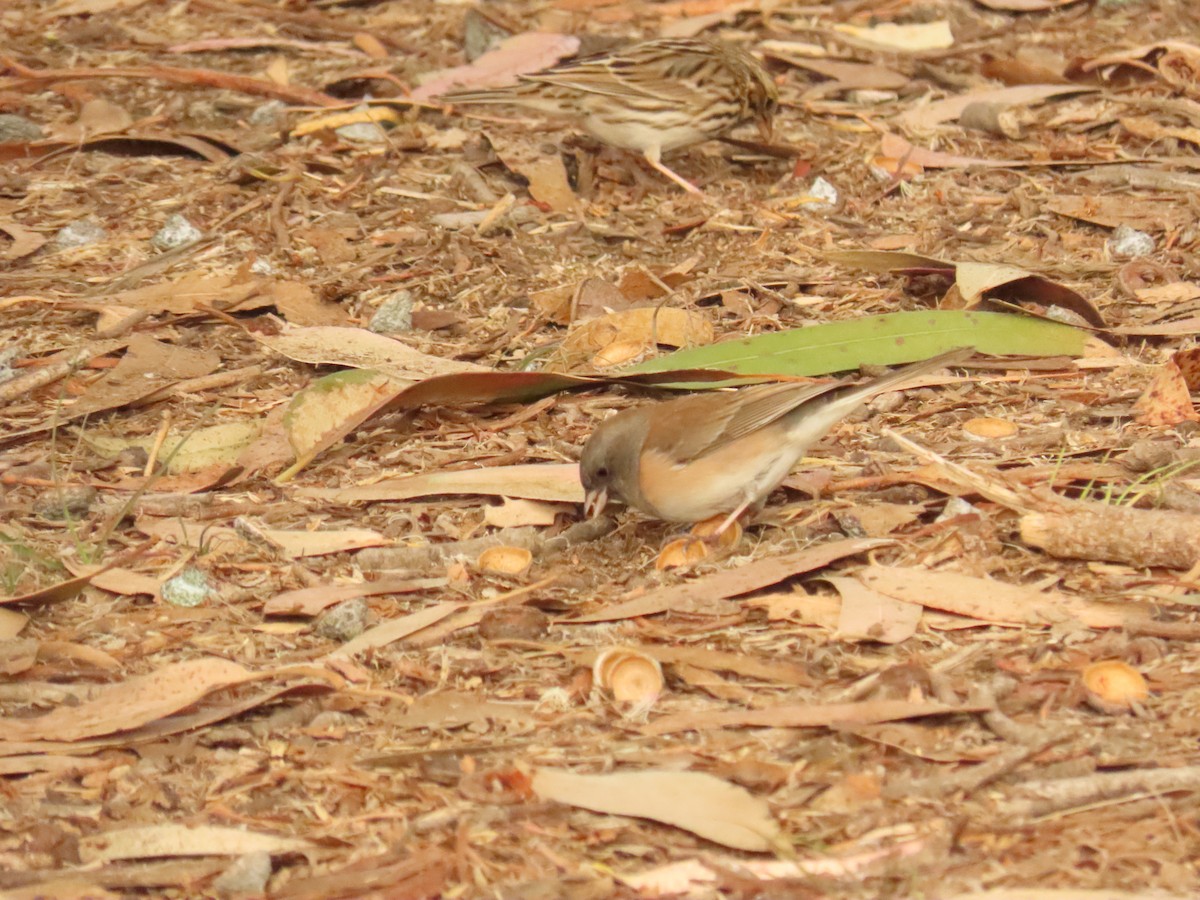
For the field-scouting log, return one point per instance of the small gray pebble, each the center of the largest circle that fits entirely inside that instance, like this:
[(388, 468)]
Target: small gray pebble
[(955, 506), (345, 621), (189, 588), (1129, 243), (79, 234), (825, 193), (71, 501), (514, 623), (269, 115), (362, 132), (394, 314), (19, 128), (247, 874), (480, 35), (849, 523), (205, 113), (1147, 455), (177, 231), (7, 355), (330, 719)]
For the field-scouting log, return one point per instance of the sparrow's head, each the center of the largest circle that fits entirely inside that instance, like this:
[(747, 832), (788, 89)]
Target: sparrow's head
[(759, 91), (765, 103)]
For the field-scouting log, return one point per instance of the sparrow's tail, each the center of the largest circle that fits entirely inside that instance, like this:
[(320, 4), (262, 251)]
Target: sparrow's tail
[(520, 94)]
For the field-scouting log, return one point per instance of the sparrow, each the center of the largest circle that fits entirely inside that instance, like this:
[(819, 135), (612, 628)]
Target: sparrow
[(704, 455), (652, 97)]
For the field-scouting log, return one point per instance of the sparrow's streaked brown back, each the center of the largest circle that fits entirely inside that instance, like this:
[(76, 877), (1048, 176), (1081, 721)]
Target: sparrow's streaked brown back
[(652, 97)]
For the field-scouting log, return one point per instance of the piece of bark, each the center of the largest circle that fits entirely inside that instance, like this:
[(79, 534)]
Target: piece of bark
[(1043, 798), (1136, 537)]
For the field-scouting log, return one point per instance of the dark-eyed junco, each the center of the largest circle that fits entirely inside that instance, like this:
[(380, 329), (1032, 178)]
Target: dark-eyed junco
[(696, 457)]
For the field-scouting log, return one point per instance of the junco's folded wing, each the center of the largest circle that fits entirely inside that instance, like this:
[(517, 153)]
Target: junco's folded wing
[(691, 427)]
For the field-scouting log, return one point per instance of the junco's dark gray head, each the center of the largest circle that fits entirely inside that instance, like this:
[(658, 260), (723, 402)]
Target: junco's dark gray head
[(608, 466)]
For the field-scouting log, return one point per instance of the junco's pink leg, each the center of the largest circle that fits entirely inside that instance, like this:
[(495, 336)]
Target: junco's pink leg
[(723, 531), (731, 518)]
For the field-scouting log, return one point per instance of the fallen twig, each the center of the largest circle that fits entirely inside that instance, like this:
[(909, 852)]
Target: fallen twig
[(532, 539), (1069, 793), (195, 77)]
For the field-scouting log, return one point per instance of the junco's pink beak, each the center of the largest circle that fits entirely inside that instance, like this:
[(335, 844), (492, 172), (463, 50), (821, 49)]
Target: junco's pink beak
[(594, 502)]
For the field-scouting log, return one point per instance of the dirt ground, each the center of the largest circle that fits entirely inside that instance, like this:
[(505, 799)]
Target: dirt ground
[(895, 684)]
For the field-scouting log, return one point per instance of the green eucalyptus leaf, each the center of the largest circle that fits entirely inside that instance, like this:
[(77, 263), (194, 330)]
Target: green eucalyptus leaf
[(876, 340)]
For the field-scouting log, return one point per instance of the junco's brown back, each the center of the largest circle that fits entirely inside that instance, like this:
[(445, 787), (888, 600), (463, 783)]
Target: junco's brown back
[(695, 457)]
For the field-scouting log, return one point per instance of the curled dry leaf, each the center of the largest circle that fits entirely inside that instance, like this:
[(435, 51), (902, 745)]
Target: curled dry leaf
[(1025, 5), (631, 676), (1188, 362), (25, 241), (1180, 67), (703, 804), (927, 116), (1113, 686), (191, 451), (513, 513), (1143, 213), (169, 841), (98, 116), (994, 118), (1152, 130), (514, 623), (17, 656), (131, 703), (907, 38), (546, 174), (645, 327), (988, 281), (1166, 401), (868, 615), (12, 623), (574, 302), (518, 55), (324, 412), (504, 560), (708, 593), (1143, 58)]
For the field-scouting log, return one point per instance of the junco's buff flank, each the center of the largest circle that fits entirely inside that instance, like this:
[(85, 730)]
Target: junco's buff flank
[(695, 457)]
